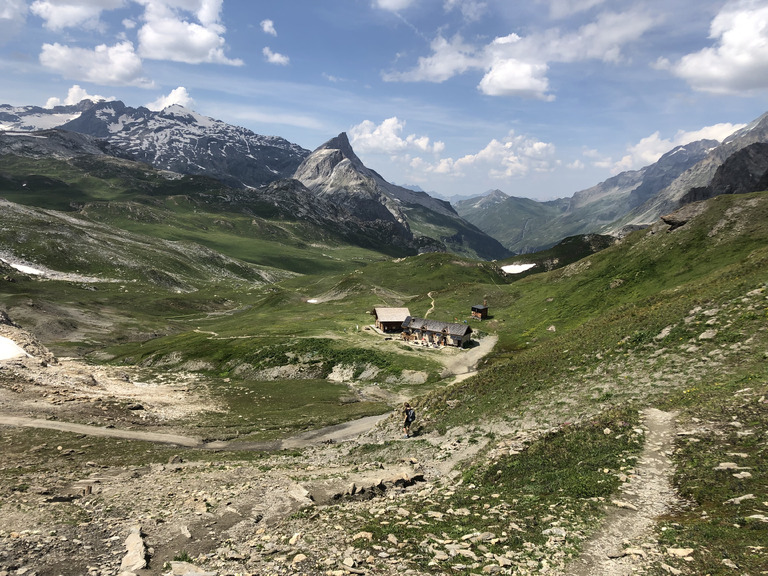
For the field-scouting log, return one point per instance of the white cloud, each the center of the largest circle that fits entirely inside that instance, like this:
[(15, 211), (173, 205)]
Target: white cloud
[(75, 95), (275, 57), (393, 5), (60, 14), (386, 138), (178, 96), (511, 157), (649, 149), (13, 14), (268, 27), (738, 61), (516, 65), (166, 35), (602, 39), (448, 59), (116, 65), (510, 77)]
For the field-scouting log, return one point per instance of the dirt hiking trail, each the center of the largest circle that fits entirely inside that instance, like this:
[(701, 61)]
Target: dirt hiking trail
[(335, 433), (622, 543)]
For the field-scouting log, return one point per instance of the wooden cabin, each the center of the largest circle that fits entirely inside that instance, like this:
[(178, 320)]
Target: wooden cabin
[(390, 319), (480, 311), (433, 332)]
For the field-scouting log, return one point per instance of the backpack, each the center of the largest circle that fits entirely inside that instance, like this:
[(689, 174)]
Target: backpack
[(410, 415)]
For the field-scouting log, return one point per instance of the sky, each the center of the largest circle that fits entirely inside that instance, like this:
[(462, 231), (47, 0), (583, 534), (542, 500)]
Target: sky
[(537, 98)]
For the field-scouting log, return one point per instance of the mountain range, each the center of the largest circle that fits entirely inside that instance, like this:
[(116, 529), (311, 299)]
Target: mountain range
[(631, 199), (331, 187)]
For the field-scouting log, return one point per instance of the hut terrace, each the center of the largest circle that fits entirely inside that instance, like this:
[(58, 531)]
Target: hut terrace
[(433, 332)]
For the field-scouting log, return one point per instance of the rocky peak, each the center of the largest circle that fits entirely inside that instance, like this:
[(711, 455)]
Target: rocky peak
[(341, 143), (333, 164)]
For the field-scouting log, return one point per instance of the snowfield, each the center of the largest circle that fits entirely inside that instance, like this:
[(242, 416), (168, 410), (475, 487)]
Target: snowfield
[(9, 349), (517, 268)]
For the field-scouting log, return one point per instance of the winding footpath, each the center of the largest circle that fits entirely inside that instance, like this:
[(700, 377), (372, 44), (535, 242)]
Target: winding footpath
[(617, 547)]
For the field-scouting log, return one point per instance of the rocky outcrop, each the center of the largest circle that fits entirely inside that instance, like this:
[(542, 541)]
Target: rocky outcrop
[(743, 172)]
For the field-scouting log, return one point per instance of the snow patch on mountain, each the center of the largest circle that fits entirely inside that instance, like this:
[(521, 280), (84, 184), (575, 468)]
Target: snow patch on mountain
[(30, 118)]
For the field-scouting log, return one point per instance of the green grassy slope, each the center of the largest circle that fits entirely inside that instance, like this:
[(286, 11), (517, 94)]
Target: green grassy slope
[(623, 297)]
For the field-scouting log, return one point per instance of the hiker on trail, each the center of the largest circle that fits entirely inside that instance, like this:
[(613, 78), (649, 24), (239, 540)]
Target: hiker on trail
[(410, 416)]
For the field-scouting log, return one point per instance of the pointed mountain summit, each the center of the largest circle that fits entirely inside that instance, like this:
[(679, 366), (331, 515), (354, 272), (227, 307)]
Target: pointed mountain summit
[(334, 172)]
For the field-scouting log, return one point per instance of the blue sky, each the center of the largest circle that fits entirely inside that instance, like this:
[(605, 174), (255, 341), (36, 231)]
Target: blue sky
[(538, 98)]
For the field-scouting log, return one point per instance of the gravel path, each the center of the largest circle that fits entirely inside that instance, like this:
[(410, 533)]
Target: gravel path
[(335, 433), (625, 539)]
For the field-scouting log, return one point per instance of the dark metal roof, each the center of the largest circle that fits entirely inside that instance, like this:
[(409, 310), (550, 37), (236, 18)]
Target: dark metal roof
[(436, 326)]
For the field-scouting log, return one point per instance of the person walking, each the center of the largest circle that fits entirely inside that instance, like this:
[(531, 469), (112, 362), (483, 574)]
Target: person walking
[(410, 415)]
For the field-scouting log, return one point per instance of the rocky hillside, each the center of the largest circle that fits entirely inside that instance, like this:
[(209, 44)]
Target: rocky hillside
[(58, 144)]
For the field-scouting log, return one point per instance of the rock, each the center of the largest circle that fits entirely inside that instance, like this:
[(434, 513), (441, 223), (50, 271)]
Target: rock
[(727, 466), (625, 505), (742, 475), (708, 335), (187, 569), (730, 564), (740, 499), (670, 570), (634, 552), (680, 552), (136, 556), (299, 558)]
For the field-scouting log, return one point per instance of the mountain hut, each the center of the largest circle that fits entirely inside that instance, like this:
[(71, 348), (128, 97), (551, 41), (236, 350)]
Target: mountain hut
[(434, 332), (480, 311), (390, 319)]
